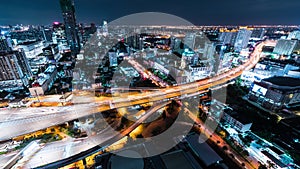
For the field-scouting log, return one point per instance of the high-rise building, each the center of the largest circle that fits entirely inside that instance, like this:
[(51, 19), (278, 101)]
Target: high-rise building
[(47, 34), (258, 33), (189, 41), (294, 35), (208, 51), (5, 44), (233, 38), (105, 28), (224, 37), (58, 33), (242, 39), (113, 58), (189, 58), (285, 47), (14, 66), (135, 41), (227, 37), (68, 11), (195, 41)]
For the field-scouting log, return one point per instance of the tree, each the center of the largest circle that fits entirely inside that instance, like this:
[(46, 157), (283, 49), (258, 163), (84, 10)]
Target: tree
[(262, 167), (270, 164), (225, 148)]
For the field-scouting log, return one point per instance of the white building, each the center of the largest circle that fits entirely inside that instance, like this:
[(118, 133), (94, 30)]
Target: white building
[(294, 35), (242, 39), (285, 47), (44, 82), (32, 48)]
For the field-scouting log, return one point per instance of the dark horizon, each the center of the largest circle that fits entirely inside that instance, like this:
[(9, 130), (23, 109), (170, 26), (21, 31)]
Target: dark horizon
[(204, 12)]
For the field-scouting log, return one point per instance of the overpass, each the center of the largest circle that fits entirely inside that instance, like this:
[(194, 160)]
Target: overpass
[(96, 106), (89, 105), (86, 147)]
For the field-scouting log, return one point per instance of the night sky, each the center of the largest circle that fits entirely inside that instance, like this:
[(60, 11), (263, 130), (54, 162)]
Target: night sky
[(198, 12)]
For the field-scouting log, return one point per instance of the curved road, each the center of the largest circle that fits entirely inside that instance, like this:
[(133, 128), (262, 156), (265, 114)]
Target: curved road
[(59, 115), (16, 127)]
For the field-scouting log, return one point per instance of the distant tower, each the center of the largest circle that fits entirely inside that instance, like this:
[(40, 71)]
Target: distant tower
[(5, 44), (228, 37), (242, 39), (105, 28), (189, 40), (195, 41), (294, 35), (285, 47), (113, 58), (68, 11), (258, 33)]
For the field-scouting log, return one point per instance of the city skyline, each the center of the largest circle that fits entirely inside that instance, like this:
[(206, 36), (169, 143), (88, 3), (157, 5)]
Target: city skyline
[(117, 84), (257, 12)]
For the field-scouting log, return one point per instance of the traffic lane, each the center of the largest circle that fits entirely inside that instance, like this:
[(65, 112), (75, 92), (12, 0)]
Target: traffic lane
[(15, 128), (57, 150)]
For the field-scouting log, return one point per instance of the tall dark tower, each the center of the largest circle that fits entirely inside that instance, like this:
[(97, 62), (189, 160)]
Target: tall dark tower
[(68, 11)]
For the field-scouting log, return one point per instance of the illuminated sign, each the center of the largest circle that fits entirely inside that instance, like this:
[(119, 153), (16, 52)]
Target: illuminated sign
[(259, 89), (260, 66), (251, 76)]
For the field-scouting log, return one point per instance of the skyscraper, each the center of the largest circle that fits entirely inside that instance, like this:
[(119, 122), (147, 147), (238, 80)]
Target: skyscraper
[(242, 39), (113, 58), (195, 41), (208, 51), (285, 47), (105, 28), (258, 33), (227, 37), (294, 35), (68, 11), (5, 45), (189, 40), (14, 66)]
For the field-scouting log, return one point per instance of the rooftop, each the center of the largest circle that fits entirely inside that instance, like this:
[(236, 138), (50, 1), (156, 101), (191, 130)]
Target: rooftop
[(175, 159), (28, 43), (283, 81), (207, 155), (242, 119)]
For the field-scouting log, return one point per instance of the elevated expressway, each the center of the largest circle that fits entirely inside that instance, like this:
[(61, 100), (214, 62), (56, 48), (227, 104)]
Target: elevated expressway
[(12, 128), (90, 105)]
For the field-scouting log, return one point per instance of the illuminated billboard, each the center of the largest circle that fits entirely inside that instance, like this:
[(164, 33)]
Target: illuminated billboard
[(259, 89), (252, 76), (260, 66)]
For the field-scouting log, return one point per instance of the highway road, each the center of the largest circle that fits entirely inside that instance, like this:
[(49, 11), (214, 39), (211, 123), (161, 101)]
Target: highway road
[(32, 123), (28, 124), (57, 151), (89, 105)]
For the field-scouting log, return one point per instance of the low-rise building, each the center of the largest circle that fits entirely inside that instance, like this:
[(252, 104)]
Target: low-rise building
[(239, 123), (276, 92), (31, 48), (51, 51), (44, 81), (199, 72)]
